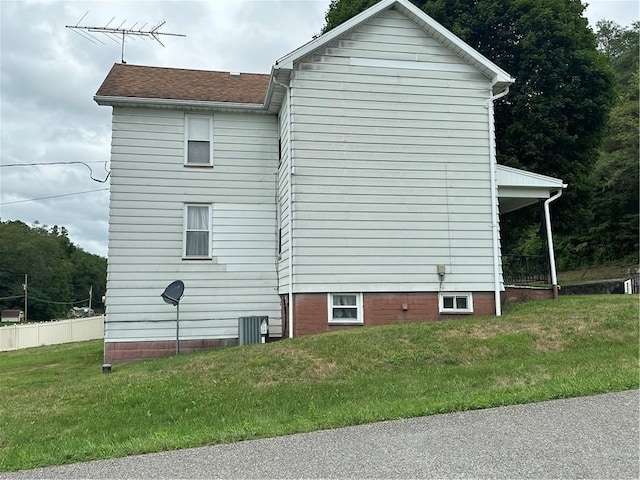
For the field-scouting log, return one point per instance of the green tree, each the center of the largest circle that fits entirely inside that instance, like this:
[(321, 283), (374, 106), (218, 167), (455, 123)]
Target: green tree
[(340, 11), (59, 273), (615, 176)]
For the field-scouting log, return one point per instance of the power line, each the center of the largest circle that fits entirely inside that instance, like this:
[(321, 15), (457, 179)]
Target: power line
[(59, 303), (30, 164), (75, 162), (55, 196), (46, 301), (11, 298)]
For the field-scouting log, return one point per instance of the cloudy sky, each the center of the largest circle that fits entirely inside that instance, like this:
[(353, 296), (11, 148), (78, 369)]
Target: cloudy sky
[(49, 74)]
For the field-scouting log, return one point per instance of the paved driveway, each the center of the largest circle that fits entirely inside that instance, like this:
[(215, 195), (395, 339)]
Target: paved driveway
[(588, 437)]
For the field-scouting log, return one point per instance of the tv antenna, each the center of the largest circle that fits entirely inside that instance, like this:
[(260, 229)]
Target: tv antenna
[(121, 32)]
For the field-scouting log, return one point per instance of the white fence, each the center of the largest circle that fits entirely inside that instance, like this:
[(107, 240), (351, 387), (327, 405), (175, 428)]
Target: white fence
[(16, 337)]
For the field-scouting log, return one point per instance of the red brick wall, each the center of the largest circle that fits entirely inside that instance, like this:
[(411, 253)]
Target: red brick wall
[(311, 314), (118, 352), (513, 295)]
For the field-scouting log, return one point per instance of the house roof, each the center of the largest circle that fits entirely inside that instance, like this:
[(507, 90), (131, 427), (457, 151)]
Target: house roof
[(500, 78), (127, 84), (126, 81), (519, 188)]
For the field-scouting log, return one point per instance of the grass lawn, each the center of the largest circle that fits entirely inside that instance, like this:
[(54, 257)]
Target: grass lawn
[(58, 407), (595, 273)]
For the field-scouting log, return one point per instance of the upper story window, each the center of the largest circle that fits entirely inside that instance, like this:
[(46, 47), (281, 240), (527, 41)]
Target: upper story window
[(197, 231), (198, 140)]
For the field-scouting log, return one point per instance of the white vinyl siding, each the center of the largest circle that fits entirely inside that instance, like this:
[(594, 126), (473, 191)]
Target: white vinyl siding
[(284, 190), (392, 166), (149, 190), (198, 140), (197, 231)]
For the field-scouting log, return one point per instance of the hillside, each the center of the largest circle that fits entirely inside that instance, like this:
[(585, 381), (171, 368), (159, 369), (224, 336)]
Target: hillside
[(63, 409)]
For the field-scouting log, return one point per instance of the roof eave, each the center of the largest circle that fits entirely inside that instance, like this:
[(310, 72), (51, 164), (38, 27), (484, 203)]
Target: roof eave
[(172, 102), (288, 60), (497, 74), (538, 180), (500, 78)]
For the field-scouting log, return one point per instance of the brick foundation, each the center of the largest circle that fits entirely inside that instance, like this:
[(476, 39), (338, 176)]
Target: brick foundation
[(311, 310), (513, 295), (311, 317), (119, 352)]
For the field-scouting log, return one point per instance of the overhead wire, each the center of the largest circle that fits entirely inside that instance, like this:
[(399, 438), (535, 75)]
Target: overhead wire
[(31, 298), (74, 162), (54, 196)]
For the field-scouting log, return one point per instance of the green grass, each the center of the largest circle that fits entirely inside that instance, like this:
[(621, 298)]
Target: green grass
[(56, 405), (612, 271)]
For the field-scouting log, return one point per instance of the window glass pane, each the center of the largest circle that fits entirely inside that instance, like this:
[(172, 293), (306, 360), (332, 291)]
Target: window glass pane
[(198, 152), (345, 313), (197, 218), (461, 303), (197, 244), (447, 302), (344, 300), (198, 128)]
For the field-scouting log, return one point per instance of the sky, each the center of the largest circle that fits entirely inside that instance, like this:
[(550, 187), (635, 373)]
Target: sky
[(49, 74)]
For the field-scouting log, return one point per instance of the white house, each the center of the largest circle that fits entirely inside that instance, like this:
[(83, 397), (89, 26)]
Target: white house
[(356, 184)]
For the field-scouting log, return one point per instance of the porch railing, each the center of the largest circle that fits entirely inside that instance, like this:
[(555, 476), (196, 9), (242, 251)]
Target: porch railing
[(525, 270)]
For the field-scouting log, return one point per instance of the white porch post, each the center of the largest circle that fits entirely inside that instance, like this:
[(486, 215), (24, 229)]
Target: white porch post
[(552, 257)]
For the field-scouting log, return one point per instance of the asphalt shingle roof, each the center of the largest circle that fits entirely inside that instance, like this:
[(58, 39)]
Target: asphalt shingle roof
[(138, 81)]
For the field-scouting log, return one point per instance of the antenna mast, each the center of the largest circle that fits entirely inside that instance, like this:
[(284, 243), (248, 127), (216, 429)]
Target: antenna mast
[(120, 33)]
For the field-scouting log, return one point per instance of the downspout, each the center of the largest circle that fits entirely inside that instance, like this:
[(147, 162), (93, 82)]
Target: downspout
[(552, 257), (494, 198), (290, 181)]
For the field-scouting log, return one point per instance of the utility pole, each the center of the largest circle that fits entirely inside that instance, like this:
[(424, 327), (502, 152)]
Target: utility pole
[(24, 285), (90, 296)]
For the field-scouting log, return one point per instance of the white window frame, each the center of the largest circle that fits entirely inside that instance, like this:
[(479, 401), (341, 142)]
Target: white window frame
[(358, 307), (184, 232), (187, 116), (455, 295)]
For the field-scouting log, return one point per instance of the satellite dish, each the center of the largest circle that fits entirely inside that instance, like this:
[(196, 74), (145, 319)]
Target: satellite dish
[(173, 293)]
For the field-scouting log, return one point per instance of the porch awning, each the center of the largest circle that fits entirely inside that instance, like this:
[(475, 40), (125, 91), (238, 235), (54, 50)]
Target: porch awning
[(519, 188)]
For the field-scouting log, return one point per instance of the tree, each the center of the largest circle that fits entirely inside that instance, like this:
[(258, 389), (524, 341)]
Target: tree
[(340, 11), (615, 176), (59, 273), (553, 120)]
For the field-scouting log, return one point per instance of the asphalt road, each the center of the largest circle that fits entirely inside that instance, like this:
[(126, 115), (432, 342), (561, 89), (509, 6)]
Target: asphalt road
[(588, 437)]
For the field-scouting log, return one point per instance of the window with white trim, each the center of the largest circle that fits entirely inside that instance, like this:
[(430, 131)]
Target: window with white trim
[(345, 308), (455, 302), (198, 140), (197, 231)]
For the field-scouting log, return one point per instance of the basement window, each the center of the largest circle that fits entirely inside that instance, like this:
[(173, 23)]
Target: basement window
[(345, 308), (455, 302)]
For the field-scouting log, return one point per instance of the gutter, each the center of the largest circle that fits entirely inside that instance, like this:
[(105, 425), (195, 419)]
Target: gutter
[(494, 197), (168, 102), (290, 180)]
